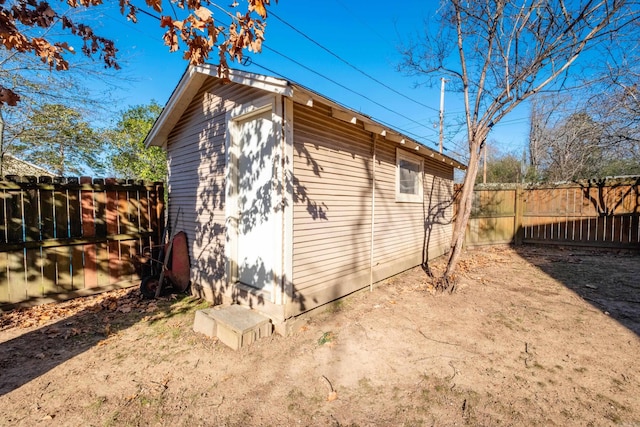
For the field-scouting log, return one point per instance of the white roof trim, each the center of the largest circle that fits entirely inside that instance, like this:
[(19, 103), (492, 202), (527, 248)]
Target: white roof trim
[(194, 76), (343, 113), (182, 95), (189, 85)]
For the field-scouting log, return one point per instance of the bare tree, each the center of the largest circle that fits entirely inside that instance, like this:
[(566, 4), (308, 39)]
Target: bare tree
[(616, 105), (543, 115), (591, 134), (38, 86), (507, 51), (574, 149)]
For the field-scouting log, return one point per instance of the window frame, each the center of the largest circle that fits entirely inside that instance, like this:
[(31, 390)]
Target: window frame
[(409, 157)]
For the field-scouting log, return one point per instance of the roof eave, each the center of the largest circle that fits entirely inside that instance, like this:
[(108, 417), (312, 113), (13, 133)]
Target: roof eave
[(190, 84), (194, 76), (306, 97)]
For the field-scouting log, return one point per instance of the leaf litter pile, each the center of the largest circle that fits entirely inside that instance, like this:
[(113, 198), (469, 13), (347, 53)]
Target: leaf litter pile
[(108, 304)]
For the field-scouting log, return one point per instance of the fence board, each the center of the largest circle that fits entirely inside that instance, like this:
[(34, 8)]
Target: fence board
[(63, 235), (49, 273), (31, 215), (47, 206), (102, 256), (3, 216), (14, 217), (100, 197), (77, 270), (61, 214), (63, 267), (17, 284), (75, 213), (112, 228), (88, 230), (34, 273)]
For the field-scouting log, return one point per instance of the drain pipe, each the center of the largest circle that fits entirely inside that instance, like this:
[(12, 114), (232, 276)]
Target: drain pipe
[(373, 208)]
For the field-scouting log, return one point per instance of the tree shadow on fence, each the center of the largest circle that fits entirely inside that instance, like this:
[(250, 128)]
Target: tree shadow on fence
[(586, 236)]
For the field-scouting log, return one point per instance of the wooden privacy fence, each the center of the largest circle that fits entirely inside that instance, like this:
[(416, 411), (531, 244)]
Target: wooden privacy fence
[(600, 213), (65, 237)]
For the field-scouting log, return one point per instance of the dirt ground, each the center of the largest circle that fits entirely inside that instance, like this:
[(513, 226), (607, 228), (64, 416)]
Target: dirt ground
[(534, 336)]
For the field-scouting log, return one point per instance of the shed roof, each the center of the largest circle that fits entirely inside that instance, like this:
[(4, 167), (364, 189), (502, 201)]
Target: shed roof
[(194, 76)]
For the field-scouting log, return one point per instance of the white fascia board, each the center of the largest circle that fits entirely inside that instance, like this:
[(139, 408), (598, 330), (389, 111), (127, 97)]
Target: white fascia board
[(307, 97), (189, 85), (345, 116), (258, 81), (180, 98)]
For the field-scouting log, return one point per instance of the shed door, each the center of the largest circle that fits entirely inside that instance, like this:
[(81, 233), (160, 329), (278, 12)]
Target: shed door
[(256, 213)]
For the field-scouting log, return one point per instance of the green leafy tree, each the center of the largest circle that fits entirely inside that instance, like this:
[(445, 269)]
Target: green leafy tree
[(501, 168), (129, 158), (59, 139), (48, 32), (38, 86)]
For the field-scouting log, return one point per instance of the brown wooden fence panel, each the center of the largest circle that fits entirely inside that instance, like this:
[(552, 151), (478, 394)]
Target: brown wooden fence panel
[(65, 237), (602, 213)]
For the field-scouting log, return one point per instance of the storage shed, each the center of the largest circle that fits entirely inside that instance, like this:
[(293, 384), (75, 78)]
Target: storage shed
[(291, 200)]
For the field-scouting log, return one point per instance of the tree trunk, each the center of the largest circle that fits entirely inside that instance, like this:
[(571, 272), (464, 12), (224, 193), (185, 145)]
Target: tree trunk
[(1, 142), (447, 282)]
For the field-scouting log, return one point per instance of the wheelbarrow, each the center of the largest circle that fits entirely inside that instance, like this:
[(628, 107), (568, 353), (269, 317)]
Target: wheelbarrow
[(169, 268)]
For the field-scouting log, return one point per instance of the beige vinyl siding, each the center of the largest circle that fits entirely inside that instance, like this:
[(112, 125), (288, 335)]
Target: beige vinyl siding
[(332, 206), (333, 172), (398, 231), (402, 230), (196, 182)]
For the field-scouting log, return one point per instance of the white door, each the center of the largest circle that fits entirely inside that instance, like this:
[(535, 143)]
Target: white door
[(257, 217)]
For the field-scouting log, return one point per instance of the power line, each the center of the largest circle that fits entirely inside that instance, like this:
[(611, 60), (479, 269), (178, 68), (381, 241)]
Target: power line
[(335, 55), (330, 79), (404, 131), (365, 23), (344, 87)]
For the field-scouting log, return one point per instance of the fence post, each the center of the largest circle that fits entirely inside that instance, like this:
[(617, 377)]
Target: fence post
[(519, 211), (88, 230)]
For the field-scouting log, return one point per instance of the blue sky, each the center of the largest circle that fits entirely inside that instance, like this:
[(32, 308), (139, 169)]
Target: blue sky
[(364, 33)]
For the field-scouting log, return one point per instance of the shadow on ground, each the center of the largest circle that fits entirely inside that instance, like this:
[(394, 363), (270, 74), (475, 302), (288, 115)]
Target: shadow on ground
[(610, 283), (32, 354)]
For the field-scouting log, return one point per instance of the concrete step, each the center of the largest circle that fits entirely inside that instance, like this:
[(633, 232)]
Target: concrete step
[(234, 325)]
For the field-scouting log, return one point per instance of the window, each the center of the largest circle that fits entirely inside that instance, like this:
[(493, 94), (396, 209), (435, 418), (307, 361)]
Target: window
[(408, 177)]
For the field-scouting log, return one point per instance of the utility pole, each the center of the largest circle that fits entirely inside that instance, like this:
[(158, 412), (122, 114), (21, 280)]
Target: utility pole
[(441, 112), (484, 163)]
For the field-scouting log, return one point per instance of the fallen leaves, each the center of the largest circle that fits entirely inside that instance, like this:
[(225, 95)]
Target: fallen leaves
[(123, 301), (333, 395)]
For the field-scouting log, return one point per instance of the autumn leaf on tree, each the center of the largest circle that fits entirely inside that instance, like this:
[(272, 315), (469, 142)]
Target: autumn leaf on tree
[(259, 7), (8, 97), (195, 31), (155, 4)]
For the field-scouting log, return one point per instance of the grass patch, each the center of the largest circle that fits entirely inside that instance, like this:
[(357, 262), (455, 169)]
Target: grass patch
[(327, 337)]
